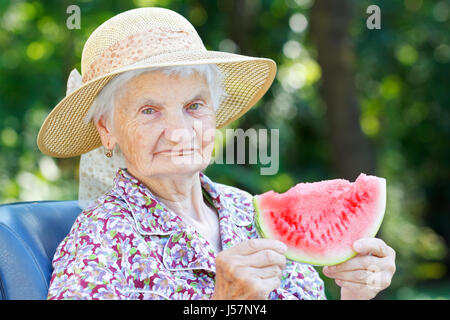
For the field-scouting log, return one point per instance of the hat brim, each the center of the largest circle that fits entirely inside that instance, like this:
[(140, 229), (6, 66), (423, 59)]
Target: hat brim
[(64, 133)]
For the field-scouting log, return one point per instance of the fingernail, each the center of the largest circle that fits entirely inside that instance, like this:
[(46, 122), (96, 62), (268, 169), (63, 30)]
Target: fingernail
[(357, 246)]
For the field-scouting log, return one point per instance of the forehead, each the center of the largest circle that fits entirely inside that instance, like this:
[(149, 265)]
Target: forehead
[(161, 83)]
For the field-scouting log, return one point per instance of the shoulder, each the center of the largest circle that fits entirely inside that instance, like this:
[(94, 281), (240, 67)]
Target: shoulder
[(104, 214), (96, 224), (234, 193), (94, 237), (88, 262), (240, 203)]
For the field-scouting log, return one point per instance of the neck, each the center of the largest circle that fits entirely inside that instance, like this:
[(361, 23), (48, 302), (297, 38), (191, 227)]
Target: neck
[(182, 194)]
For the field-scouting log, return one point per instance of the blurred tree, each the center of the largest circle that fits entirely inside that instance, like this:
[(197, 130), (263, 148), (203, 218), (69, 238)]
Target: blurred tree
[(330, 31)]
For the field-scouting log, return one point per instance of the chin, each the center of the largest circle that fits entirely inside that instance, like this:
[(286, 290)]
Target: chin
[(176, 169)]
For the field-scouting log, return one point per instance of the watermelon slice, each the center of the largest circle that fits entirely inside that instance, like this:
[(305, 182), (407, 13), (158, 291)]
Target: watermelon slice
[(319, 221)]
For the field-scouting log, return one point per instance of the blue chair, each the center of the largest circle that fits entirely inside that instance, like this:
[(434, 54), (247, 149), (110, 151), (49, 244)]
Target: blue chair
[(29, 235)]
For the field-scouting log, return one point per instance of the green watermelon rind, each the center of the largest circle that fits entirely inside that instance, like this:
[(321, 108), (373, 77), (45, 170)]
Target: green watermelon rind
[(263, 232)]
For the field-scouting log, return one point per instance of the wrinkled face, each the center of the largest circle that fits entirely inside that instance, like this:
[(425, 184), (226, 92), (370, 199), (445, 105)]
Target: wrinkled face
[(164, 124)]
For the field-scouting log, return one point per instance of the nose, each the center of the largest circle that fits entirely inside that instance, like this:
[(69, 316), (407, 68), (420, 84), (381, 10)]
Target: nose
[(179, 129)]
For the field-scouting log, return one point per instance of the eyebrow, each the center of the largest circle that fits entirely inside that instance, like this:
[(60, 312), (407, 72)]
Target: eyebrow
[(201, 93)]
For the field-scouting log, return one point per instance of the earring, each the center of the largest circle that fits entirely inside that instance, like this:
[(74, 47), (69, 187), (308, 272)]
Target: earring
[(108, 153)]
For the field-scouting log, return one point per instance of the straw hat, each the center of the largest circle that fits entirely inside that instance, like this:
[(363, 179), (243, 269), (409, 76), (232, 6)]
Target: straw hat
[(141, 38)]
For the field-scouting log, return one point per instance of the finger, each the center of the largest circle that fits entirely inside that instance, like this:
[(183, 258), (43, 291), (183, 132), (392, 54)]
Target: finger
[(389, 264), (270, 284), (264, 258), (370, 265), (358, 276), (359, 291), (257, 286), (373, 246), (356, 263), (372, 280), (254, 245), (267, 272)]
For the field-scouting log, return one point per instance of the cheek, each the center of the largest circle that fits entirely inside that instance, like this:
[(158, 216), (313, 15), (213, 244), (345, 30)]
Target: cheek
[(208, 137), (137, 141), (207, 140), (205, 129)]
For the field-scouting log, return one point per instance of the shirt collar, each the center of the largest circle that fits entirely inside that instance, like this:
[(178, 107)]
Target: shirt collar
[(152, 217)]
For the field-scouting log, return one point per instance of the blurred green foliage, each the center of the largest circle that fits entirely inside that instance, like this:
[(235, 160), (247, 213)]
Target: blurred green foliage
[(401, 76)]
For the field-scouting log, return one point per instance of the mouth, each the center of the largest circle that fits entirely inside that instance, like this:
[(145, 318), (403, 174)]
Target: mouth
[(175, 153)]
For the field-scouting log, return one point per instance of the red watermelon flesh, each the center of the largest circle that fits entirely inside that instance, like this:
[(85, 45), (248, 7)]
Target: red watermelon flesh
[(319, 221)]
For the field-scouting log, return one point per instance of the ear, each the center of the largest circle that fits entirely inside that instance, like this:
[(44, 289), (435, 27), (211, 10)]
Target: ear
[(107, 137)]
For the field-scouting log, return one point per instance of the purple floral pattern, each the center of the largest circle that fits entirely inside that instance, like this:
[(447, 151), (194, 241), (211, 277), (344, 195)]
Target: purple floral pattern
[(128, 245)]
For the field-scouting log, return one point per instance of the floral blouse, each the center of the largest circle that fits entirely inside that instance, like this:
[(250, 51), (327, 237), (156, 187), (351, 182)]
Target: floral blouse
[(128, 245)]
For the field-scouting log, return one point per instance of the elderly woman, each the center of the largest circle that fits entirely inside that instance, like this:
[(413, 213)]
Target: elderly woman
[(164, 230)]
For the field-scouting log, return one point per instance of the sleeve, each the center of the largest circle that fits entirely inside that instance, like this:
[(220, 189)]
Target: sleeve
[(87, 265), (299, 282)]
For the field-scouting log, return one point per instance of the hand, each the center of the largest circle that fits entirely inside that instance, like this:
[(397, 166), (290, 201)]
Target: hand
[(363, 276), (249, 270)]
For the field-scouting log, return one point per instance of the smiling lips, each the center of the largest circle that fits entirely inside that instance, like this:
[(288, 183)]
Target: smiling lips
[(181, 152)]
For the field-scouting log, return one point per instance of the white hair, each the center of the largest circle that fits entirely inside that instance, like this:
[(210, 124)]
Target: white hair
[(103, 105)]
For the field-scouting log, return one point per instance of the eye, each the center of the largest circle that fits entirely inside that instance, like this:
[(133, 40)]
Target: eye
[(194, 106), (148, 111)]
